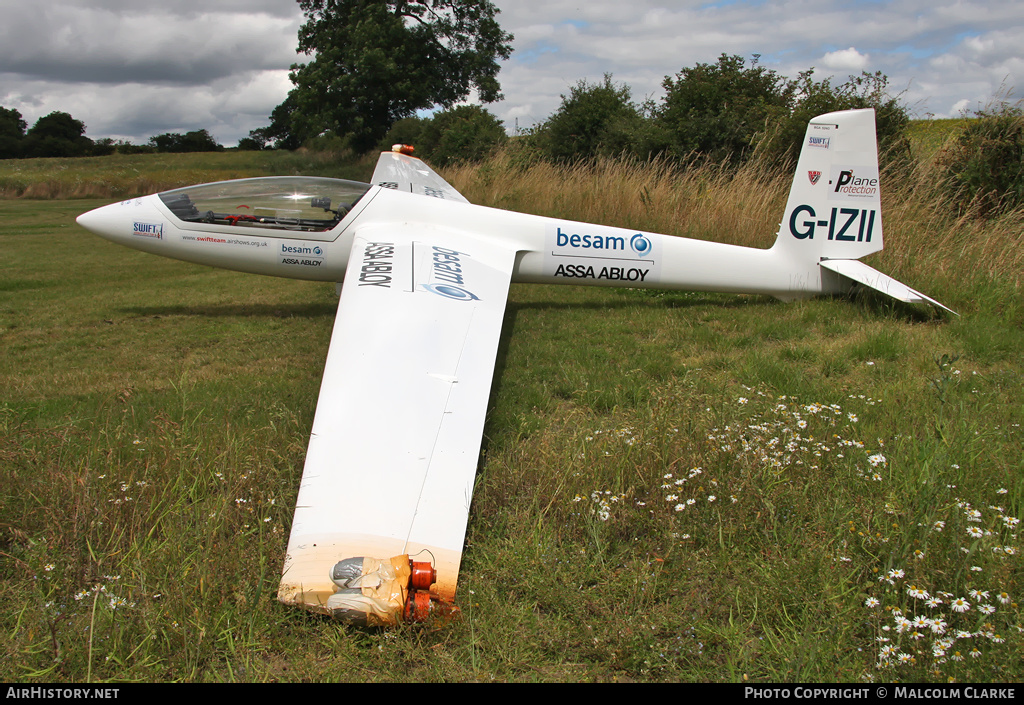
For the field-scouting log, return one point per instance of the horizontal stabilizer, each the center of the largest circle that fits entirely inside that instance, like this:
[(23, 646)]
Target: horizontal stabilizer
[(862, 273)]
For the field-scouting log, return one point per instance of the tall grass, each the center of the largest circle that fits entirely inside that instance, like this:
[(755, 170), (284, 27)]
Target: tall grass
[(674, 486), (709, 202), (925, 239)]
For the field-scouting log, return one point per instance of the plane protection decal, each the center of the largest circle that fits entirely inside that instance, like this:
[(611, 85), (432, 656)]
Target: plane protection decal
[(593, 252), (848, 183)]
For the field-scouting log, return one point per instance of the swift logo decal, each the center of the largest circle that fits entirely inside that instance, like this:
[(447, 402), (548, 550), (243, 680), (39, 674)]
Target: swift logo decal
[(153, 230)]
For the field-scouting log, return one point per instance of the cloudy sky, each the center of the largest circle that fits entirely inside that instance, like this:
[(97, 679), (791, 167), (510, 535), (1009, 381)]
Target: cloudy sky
[(130, 69)]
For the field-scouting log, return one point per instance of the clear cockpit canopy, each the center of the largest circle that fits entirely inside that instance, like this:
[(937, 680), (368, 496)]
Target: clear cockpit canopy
[(292, 203)]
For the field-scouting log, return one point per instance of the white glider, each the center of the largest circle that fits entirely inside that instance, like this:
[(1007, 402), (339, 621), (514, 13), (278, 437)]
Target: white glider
[(384, 500)]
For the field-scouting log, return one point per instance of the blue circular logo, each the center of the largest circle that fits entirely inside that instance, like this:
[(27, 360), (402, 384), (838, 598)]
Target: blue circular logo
[(317, 251), (640, 244), (451, 292)]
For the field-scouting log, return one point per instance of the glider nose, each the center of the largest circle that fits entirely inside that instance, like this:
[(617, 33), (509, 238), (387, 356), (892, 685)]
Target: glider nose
[(107, 221)]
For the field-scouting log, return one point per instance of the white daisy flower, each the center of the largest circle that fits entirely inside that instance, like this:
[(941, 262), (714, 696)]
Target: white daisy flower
[(960, 604)]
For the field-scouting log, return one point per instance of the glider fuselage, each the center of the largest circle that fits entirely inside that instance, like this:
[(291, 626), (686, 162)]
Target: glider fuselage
[(426, 277), (551, 251)]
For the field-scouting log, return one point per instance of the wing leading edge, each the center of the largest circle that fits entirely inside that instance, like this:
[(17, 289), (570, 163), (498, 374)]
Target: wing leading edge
[(396, 438), (404, 173)]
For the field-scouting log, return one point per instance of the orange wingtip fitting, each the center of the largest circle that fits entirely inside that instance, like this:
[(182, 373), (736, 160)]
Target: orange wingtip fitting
[(403, 149)]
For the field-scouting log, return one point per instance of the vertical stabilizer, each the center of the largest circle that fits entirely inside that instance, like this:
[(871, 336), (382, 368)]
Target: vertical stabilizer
[(834, 209)]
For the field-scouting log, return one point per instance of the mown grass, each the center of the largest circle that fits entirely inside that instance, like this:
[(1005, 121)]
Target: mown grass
[(675, 486), (124, 176)]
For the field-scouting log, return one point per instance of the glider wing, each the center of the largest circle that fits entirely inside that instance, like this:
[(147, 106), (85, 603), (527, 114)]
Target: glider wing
[(404, 173), (396, 439)]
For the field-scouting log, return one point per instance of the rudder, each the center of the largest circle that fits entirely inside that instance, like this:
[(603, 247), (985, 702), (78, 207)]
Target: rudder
[(834, 209)]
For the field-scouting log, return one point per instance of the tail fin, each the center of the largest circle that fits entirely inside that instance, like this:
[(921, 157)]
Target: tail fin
[(834, 209), (834, 212)]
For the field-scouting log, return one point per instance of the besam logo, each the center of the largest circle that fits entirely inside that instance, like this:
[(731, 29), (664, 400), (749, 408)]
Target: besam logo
[(451, 292), (597, 244), (640, 244), (588, 242), (305, 251)]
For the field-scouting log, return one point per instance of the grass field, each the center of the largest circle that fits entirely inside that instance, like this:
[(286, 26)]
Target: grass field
[(123, 176), (675, 486)]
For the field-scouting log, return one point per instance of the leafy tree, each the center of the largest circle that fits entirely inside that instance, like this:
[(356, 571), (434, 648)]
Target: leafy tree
[(869, 90), (195, 141), (595, 118), (280, 134), (57, 135), (464, 133), (124, 147), (984, 166), (406, 131), (377, 61), (12, 133), (103, 147), (248, 144), (717, 110), (58, 125)]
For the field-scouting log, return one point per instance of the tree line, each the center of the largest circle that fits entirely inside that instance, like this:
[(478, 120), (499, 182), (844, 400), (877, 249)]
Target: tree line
[(61, 135), (375, 63), (725, 112)]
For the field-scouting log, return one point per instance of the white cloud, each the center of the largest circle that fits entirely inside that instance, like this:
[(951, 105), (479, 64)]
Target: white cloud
[(845, 60), (140, 67)]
